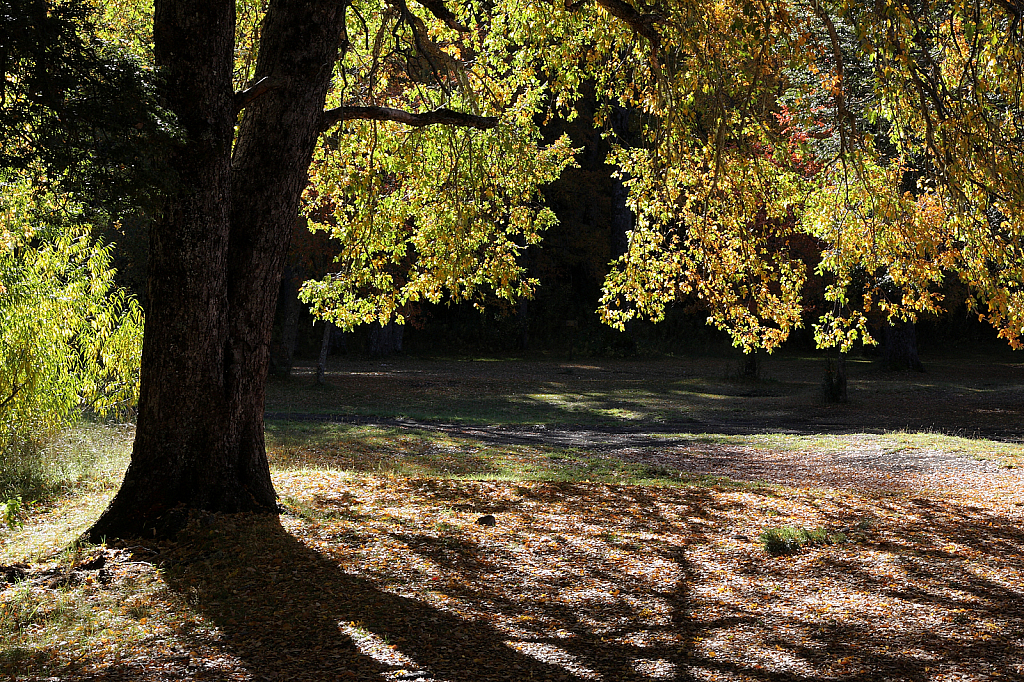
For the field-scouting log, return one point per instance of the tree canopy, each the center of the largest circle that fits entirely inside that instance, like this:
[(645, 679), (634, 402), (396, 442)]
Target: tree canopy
[(887, 134)]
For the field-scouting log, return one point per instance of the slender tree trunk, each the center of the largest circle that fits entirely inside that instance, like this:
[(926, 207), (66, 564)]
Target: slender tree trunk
[(325, 348), (216, 263), (751, 366), (524, 323), (288, 301), (835, 379)]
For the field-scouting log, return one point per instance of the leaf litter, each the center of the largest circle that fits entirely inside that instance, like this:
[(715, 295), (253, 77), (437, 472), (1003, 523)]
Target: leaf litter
[(384, 577), (381, 572)]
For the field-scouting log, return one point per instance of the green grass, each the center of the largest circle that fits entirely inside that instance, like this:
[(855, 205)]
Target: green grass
[(787, 539), (85, 457), (304, 446)]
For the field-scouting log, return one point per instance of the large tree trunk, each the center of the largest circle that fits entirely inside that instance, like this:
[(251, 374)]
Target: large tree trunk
[(181, 449), (298, 47), (216, 262)]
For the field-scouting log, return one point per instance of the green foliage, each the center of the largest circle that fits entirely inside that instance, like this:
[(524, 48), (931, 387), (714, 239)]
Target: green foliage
[(787, 539), (885, 135), (10, 512), (70, 341), (75, 101), (423, 214)]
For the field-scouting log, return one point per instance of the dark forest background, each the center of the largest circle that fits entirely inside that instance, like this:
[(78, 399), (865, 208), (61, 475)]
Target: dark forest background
[(570, 263)]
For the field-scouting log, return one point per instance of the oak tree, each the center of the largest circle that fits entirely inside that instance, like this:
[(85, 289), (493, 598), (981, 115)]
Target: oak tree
[(324, 70), (415, 127)]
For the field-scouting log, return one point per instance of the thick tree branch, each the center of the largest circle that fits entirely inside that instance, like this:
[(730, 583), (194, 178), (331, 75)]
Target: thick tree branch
[(438, 9), (435, 117), (643, 24), (16, 389), (439, 60), (244, 98)]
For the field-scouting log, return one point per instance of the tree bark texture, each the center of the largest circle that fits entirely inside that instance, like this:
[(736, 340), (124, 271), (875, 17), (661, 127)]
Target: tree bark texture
[(325, 348), (834, 384), (216, 259), (900, 350), (290, 309), (386, 339)]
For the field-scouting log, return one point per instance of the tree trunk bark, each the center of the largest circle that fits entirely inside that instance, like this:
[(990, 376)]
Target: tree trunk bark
[(524, 323), (181, 452), (386, 339), (325, 348), (835, 380), (299, 44), (291, 308), (216, 262), (900, 350), (751, 366)]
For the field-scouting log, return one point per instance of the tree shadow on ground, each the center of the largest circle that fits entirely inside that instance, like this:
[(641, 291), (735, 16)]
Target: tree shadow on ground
[(288, 612), (569, 588)]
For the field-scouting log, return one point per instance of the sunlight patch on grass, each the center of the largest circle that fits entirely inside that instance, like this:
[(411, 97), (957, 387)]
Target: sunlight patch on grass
[(419, 454), (1006, 454), (49, 530)]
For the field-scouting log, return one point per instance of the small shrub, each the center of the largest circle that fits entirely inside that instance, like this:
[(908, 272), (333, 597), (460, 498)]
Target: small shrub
[(10, 512), (787, 539)]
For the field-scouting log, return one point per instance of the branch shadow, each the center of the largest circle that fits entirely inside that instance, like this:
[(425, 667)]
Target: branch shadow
[(290, 613)]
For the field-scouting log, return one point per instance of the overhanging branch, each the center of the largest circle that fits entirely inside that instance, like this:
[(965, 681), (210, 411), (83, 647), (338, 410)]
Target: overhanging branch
[(435, 117), (643, 24), (245, 97), (438, 9)]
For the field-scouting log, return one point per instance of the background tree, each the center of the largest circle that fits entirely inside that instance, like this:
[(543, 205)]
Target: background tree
[(79, 126), (70, 340)]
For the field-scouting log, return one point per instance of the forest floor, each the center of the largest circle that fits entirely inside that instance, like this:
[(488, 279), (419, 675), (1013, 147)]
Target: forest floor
[(658, 520)]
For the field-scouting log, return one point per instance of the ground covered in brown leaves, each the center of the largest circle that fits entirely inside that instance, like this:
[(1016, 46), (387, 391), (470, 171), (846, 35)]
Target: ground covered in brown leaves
[(370, 578), (376, 574)]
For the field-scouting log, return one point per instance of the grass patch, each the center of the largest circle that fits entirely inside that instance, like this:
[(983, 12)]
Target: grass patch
[(85, 457), (788, 539), (305, 446)]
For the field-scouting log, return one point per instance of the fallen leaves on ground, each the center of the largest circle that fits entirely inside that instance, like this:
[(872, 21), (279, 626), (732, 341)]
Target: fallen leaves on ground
[(377, 577)]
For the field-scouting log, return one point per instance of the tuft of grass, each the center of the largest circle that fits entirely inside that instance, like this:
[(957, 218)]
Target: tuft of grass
[(788, 539), (10, 512)]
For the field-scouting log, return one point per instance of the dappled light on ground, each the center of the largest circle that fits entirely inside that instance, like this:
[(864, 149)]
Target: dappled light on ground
[(378, 577), (625, 551), (967, 396)]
